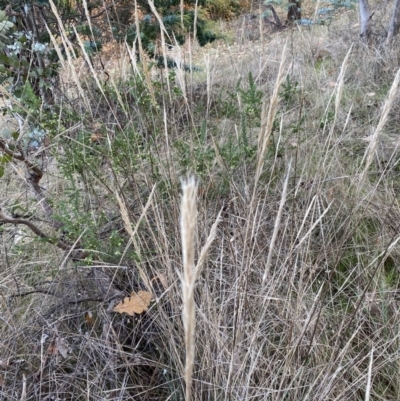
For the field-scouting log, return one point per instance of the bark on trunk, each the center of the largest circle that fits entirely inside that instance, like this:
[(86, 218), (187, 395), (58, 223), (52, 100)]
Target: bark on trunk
[(294, 11), (365, 19), (394, 23)]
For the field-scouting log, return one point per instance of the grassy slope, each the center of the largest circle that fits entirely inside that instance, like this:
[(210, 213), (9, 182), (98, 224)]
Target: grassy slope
[(297, 296)]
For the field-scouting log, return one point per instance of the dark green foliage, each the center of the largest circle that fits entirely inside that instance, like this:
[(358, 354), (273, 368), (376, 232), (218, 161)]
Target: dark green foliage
[(165, 6), (150, 30), (27, 51), (198, 156), (289, 90), (252, 98), (225, 9), (205, 34)]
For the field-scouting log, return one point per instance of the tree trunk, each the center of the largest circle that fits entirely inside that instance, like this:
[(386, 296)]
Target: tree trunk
[(394, 23), (365, 19), (277, 22), (294, 11)]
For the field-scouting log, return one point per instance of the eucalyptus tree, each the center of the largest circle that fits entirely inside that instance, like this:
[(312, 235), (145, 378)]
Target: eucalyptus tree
[(366, 21)]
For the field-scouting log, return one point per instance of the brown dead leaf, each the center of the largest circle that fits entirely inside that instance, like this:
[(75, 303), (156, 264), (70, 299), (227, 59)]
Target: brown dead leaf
[(89, 319), (58, 346), (96, 137), (53, 350), (136, 303), (62, 347)]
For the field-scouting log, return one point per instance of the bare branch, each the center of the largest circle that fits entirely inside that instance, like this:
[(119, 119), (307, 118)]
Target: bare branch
[(19, 156), (35, 175), (277, 22), (78, 254), (11, 220), (64, 301)]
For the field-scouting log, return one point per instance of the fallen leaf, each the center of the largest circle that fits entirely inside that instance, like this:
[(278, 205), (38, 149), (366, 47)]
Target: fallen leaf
[(136, 303), (89, 319), (63, 347), (53, 350), (96, 137)]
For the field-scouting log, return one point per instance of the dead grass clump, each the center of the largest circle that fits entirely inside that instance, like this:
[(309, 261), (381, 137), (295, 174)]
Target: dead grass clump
[(277, 280)]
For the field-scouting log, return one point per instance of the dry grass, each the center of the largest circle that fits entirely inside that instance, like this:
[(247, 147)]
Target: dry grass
[(279, 280)]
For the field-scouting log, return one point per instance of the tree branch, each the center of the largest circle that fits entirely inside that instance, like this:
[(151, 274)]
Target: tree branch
[(11, 220), (35, 175), (277, 22)]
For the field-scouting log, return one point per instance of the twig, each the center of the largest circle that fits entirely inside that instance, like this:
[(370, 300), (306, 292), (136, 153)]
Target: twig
[(277, 22), (38, 172), (8, 219), (64, 302), (36, 291), (78, 255), (35, 175)]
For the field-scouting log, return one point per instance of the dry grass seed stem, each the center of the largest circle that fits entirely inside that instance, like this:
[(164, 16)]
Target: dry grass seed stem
[(188, 230)]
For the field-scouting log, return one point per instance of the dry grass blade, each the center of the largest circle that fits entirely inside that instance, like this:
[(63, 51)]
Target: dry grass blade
[(206, 247), (277, 225), (23, 394), (70, 53), (290, 293), (369, 381), (143, 56), (369, 153), (315, 224), (163, 33), (132, 232), (340, 83), (267, 120), (89, 64), (188, 229), (196, 11), (338, 91)]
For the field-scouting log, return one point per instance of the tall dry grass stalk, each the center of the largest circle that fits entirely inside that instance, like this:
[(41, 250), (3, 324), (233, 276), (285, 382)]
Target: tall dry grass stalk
[(369, 381), (276, 225), (370, 151), (298, 292), (338, 91), (70, 53), (206, 247), (132, 232), (188, 229), (163, 33), (340, 83), (143, 57), (267, 120)]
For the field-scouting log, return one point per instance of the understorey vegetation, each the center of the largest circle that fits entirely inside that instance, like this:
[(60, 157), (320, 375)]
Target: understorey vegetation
[(197, 208)]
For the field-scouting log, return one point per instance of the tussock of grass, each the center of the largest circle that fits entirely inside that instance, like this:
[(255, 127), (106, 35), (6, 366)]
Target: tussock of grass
[(278, 280)]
